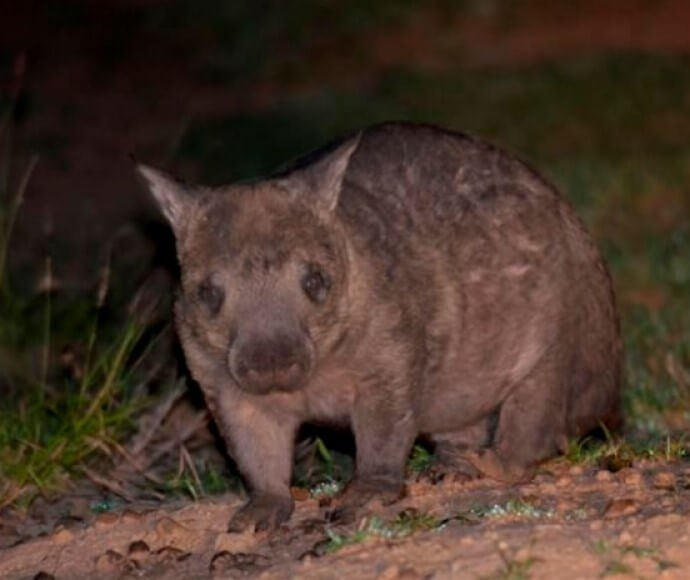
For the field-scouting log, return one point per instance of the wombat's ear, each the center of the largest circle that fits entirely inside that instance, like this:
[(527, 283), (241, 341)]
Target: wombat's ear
[(322, 179), (173, 197)]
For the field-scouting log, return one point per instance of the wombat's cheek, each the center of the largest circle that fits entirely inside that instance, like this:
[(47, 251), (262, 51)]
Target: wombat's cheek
[(278, 362)]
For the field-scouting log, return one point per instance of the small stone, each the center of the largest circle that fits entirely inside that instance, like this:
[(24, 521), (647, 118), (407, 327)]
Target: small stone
[(548, 488), (631, 477), (625, 537), (621, 507), (564, 506), (138, 550), (300, 493), (106, 519), (168, 528), (241, 562), (80, 508), (667, 502), (111, 561), (576, 470), (390, 573), (564, 481), (62, 536), (307, 559), (603, 475), (130, 517), (595, 525), (168, 554), (665, 480)]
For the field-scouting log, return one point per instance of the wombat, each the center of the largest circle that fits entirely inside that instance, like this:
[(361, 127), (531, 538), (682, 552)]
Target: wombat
[(406, 281)]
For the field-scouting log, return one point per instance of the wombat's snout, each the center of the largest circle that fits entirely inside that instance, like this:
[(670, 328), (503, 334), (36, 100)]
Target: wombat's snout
[(262, 364)]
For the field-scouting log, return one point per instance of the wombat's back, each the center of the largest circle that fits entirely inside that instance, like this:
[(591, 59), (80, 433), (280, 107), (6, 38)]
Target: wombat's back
[(492, 270)]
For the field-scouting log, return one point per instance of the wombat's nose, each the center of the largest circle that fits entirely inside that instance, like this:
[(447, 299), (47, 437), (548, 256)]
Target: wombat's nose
[(269, 364)]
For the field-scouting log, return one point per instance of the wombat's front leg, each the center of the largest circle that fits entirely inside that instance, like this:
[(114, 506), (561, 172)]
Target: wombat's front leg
[(262, 446), (384, 431)]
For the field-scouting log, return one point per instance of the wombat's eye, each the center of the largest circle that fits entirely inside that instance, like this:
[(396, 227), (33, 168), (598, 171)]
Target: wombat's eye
[(316, 284), (210, 295)]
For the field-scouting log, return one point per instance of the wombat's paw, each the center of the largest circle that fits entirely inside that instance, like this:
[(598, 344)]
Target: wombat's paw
[(458, 471), (490, 464), (360, 493), (263, 512)]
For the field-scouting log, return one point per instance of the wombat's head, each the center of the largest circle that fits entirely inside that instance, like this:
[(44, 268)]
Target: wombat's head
[(263, 270)]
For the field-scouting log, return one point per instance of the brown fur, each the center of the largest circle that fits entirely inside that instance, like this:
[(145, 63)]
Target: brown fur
[(456, 293)]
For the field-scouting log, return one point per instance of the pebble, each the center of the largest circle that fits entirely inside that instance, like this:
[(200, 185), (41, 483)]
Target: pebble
[(548, 488), (603, 475), (667, 502), (80, 508), (62, 536), (168, 554), (166, 527), (576, 470), (130, 517), (300, 494), (106, 519), (631, 477), (111, 561), (408, 574), (563, 481), (390, 573), (621, 507), (665, 480)]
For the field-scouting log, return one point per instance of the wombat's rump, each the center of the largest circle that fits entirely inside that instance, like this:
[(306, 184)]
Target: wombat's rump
[(406, 280)]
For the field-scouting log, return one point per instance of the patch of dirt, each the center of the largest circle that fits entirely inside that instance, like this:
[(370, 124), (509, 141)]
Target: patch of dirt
[(570, 522)]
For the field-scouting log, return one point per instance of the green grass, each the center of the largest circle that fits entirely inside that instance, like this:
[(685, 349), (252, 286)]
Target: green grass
[(513, 507), (198, 481), (70, 384), (403, 525), (617, 453), (615, 561)]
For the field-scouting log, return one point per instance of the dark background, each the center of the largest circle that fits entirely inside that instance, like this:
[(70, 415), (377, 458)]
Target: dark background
[(218, 90)]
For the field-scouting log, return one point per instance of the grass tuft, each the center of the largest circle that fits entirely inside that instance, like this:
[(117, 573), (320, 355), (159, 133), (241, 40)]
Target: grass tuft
[(403, 525), (59, 408)]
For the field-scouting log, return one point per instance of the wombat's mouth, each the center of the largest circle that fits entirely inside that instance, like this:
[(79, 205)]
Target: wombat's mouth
[(285, 379), (262, 365)]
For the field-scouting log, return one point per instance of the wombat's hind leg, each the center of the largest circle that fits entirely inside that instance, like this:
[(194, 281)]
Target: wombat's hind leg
[(531, 426), (262, 512), (451, 450)]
